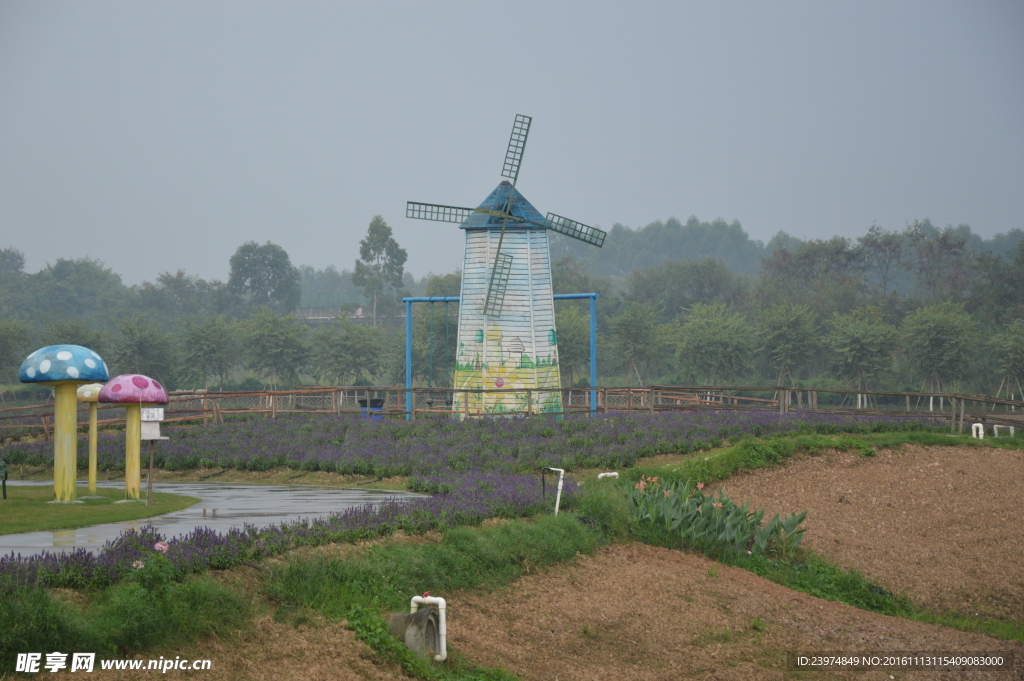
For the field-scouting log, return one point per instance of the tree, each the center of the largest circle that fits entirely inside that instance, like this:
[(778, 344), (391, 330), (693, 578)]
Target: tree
[(433, 360), (208, 348), (573, 345), (178, 295), (627, 249), (785, 338), (448, 285), (274, 347), (824, 275), (938, 341), (997, 291), (382, 262), (639, 340), (938, 259), (1008, 349), (714, 345), (82, 289), (14, 348), (264, 276), (884, 256), (141, 347), (347, 353), (75, 332), (679, 285), (860, 345)]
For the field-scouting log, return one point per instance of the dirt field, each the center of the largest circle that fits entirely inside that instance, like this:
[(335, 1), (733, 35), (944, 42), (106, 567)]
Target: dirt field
[(646, 613), (944, 525), (941, 524)]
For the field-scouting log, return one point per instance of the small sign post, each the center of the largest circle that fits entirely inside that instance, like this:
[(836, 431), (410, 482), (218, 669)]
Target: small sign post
[(151, 418)]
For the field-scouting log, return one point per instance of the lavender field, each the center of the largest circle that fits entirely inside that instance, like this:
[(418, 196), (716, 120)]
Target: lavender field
[(390, 448)]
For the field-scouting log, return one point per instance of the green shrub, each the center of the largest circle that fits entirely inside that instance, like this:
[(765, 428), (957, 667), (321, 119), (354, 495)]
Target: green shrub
[(122, 619), (680, 513)]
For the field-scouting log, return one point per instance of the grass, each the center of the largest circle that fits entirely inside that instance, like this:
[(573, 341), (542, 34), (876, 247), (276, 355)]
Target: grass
[(26, 510), (384, 576), (117, 621), (362, 587), (751, 453)]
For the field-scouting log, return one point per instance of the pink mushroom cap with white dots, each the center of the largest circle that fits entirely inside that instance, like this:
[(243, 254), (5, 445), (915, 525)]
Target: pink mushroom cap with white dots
[(134, 388)]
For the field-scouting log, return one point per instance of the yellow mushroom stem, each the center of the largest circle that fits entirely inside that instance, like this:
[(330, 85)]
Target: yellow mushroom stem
[(65, 440), (132, 450), (93, 437)]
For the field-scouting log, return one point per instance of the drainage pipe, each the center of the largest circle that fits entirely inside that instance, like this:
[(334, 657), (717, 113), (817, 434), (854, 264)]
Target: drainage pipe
[(609, 474), (442, 624)]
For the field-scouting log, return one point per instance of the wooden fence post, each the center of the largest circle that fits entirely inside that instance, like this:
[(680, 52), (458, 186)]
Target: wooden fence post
[(952, 415), (273, 406), (629, 402), (529, 401), (652, 400)]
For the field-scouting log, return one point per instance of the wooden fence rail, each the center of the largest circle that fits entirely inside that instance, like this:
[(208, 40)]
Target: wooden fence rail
[(390, 401)]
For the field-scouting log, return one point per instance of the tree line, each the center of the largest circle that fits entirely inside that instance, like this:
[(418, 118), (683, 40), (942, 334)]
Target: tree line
[(919, 307)]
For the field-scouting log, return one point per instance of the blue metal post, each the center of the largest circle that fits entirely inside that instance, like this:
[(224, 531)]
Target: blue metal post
[(593, 353), (408, 358)]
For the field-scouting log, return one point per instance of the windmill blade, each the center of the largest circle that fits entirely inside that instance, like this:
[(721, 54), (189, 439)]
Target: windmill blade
[(516, 144), (438, 213), (498, 284), (577, 230)]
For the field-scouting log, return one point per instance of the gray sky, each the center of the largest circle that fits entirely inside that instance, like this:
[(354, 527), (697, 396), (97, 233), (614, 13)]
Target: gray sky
[(157, 136)]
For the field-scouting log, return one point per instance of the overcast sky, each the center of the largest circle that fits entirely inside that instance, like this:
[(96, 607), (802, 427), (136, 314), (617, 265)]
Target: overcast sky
[(162, 135)]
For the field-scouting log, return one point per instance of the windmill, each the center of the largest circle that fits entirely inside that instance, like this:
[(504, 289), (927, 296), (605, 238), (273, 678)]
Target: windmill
[(507, 337)]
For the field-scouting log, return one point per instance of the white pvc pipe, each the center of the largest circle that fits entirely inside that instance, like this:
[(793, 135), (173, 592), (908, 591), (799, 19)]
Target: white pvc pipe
[(558, 496), (978, 431), (442, 621), (995, 430), (609, 474)]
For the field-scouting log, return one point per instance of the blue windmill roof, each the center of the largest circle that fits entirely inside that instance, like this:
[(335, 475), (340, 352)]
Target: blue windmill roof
[(497, 200)]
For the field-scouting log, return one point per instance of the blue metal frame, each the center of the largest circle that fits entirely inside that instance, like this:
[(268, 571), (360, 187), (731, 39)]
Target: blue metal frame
[(454, 299)]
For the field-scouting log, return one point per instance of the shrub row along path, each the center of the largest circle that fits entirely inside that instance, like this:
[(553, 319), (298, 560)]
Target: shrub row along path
[(943, 525)]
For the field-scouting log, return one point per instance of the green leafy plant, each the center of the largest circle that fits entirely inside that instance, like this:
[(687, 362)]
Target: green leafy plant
[(713, 524)]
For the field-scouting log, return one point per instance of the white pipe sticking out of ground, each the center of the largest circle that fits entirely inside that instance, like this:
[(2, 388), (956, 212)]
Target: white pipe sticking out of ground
[(442, 621), (609, 474), (561, 478)]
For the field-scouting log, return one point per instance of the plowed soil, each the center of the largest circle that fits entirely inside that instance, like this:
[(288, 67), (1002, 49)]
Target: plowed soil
[(943, 525), (647, 613), (940, 524)]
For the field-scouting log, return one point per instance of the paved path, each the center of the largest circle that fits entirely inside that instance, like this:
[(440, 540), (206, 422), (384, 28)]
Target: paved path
[(225, 505)]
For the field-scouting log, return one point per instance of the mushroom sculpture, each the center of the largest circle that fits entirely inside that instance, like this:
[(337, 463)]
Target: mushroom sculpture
[(90, 394), (134, 391), (65, 367)]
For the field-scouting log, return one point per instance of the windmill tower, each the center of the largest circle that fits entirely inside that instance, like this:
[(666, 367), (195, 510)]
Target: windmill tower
[(507, 338)]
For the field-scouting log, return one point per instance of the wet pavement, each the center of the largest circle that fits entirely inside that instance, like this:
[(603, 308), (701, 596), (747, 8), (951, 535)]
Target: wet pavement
[(223, 506)]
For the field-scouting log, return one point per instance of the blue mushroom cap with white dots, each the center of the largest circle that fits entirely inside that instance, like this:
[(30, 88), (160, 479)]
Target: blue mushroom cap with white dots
[(56, 363)]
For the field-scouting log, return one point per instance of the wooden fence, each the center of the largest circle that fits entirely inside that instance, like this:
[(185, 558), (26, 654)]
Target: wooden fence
[(390, 401)]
